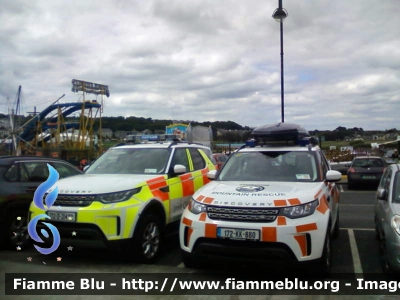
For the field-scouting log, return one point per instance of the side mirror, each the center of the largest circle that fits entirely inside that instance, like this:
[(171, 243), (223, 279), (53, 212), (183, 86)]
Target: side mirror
[(333, 176), (85, 168), (381, 194), (212, 174), (179, 169)]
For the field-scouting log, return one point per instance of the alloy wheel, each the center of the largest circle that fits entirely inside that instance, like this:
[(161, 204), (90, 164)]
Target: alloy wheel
[(150, 240)]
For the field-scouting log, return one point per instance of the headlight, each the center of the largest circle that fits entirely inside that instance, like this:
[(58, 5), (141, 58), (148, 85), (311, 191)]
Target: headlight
[(117, 197), (196, 207), (396, 223), (300, 211)]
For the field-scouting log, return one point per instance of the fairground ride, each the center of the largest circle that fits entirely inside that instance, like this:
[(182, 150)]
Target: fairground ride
[(54, 132)]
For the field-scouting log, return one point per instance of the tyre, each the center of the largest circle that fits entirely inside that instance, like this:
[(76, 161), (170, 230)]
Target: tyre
[(384, 257), (350, 185), (323, 265), (147, 239), (377, 234), (189, 260), (15, 230), (336, 229)]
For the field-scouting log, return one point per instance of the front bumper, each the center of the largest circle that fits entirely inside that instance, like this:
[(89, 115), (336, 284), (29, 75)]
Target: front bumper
[(291, 240), (98, 225), (81, 235)]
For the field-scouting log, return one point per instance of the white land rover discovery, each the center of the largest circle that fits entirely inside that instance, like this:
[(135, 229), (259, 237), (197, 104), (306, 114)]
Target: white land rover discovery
[(272, 203)]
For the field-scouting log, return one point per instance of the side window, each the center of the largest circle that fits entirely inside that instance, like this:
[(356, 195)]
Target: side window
[(24, 172), (386, 183), (324, 165), (64, 170), (37, 171), (197, 159), (180, 158), (12, 173), (211, 157), (384, 179)]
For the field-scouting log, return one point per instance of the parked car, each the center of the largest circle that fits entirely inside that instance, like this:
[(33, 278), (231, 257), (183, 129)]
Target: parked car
[(342, 167), (387, 219), (220, 158), (129, 197), (365, 170), (19, 178), (273, 204)]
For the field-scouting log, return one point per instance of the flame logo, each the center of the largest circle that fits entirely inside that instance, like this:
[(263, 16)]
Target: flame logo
[(38, 201)]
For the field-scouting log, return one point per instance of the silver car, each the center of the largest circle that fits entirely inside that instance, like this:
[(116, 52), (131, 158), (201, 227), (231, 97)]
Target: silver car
[(387, 219)]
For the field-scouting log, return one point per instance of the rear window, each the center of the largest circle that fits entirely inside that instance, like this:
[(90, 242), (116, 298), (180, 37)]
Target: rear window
[(368, 162)]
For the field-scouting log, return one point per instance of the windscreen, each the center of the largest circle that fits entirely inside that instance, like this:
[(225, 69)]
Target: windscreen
[(131, 161), (270, 166)]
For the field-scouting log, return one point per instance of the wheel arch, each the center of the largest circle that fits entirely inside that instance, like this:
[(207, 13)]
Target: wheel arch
[(156, 208)]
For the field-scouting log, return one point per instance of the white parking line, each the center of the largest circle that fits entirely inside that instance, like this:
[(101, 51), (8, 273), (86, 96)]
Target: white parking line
[(354, 252)]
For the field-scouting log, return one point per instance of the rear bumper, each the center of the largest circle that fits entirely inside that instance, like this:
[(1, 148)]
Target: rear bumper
[(358, 179)]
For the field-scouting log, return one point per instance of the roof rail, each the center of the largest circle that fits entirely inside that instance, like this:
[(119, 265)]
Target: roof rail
[(177, 141)]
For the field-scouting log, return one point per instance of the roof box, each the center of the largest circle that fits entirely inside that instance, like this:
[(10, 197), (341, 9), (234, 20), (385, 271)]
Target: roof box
[(281, 133)]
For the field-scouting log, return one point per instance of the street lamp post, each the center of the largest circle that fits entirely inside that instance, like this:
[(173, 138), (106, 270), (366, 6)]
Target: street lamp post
[(280, 15)]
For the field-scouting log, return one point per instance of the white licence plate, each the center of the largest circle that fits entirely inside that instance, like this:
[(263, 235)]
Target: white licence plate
[(238, 234), (62, 216)]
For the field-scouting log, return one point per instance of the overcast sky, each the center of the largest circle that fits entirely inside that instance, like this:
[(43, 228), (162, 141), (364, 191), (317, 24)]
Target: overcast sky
[(209, 60)]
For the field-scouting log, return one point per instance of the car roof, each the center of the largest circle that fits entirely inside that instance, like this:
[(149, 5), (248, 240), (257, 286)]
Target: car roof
[(396, 167), (368, 156)]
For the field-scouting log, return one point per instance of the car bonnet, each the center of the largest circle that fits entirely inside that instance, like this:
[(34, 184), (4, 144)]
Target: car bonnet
[(265, 194), (101, 183)]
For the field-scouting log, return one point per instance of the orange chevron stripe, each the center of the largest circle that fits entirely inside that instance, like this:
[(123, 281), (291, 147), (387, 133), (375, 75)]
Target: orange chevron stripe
[(323, 205), (294, 201), (187, 222), (269, 234), (202, 217), (306, 227), (281, 220), (211, 231), (280, 203), (301, 240)]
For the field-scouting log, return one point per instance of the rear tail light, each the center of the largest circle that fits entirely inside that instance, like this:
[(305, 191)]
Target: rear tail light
[(351, 170)]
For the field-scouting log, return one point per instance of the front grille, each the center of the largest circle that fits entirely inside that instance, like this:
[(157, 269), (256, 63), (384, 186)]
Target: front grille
[(239, 214), (72, 200)]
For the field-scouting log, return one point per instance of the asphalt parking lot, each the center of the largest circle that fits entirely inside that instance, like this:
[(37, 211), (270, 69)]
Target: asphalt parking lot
[(354, 251)]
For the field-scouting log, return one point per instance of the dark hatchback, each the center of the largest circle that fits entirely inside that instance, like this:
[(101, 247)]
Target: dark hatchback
[(365, 170), (19, 178)]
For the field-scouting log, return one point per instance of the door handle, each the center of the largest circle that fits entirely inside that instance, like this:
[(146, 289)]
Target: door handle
[(164, 189)]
